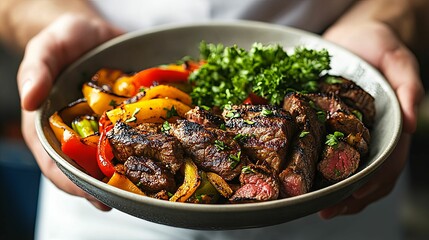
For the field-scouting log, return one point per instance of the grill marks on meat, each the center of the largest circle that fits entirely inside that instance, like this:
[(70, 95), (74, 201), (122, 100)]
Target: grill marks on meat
[(258, 183), (211, 149), (339, 118), (298, 176), (145, 141), (338, 162), (265, 130), (353, 95), (204, 117), (149, 175)]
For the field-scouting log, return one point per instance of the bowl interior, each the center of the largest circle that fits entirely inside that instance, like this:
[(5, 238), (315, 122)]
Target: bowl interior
[(138, 50)]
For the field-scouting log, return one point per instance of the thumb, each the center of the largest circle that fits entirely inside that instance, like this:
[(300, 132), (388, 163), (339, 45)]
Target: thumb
[(58, 45)]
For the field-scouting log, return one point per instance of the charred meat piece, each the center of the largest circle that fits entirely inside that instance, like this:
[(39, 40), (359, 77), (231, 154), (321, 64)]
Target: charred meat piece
[(264, 132), (145, 141), (149, 175), (338, 162), (258, 183), (353, 95), (340, 118), (298, 176), (211, 149), (204, 117)]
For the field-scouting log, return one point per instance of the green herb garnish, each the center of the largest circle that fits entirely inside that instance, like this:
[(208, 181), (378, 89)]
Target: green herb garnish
[(165, 127), (133, 117), (303, 134), (171, 112), (266, 112), (235, 159), (333, 139), (220, 145)]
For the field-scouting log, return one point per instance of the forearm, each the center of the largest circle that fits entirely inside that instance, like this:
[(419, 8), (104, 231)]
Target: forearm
[(22, 19)]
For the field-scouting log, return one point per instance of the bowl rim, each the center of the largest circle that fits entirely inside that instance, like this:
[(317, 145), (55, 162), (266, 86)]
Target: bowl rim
[(370, 168)]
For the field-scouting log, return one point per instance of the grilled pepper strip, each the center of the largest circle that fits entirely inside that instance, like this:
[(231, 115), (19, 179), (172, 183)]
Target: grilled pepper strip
[(153, 110), (165, 91), (100, 100), (105, 154), (120, 181), (190, 183), (82, 150), (159, 75)]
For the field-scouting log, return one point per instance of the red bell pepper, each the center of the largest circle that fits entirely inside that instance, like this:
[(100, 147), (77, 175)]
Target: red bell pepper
[(105, 154), (82, 150), (148, 77), (254, 99)]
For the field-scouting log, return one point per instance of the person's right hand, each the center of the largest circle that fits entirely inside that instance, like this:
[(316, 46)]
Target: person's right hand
[(45, 56)]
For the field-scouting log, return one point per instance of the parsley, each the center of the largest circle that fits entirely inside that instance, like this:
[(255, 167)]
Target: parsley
[(222, 127), (247, 169), (235, 159), (113, 103), (241, 137), (232, 114), (171, 112), (165, 127), (231, 73), (357, 114), (321, 116), (333, 139), (333, 80), (220, 145), (266, 112), (133, 117), (249, 122), (303, 134)]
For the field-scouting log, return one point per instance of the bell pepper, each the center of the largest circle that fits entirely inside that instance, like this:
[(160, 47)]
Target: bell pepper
[(120, 181), (159, 75), (100, 100), (105, 154), (166, 91), (106, 76), (254, 99), (206, 192), (190, 183), (124, 87), (81, 150), (153, 110), (220, 184)]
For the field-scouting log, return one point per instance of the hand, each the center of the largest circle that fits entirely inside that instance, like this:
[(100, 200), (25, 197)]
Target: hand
[(377, 44), (46, 55)]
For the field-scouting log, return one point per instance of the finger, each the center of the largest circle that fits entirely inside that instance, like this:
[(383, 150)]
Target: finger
[(401, 69), (52, 49)]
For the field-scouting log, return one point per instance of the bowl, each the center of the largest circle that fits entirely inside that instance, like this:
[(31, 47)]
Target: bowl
[(142, 49)]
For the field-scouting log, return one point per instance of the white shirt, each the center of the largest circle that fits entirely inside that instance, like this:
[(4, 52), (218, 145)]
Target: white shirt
[(62, 216)]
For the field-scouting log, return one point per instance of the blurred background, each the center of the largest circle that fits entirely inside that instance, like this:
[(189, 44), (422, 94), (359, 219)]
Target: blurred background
[(19, 174)]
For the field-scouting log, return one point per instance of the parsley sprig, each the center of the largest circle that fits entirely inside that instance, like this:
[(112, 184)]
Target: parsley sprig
[(231, 73)]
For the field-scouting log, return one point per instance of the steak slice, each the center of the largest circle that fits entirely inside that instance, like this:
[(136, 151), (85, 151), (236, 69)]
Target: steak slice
[(258, 183), (204, 117), (149, 175), (211, 149), (145, 140), (339, 118), (264, 132), (298, 176), (353, 95), (338, 162)]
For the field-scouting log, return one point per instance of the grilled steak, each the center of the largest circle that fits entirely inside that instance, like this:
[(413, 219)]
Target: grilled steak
[(204, 117), (338, 162), (264, 132), (353, 95), (146, 141), (258, 183), (211, 149), (297, 178), (339, 118), (149, 175)]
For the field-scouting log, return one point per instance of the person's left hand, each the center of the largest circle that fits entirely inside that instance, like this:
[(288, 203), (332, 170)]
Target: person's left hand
[(377, 44)]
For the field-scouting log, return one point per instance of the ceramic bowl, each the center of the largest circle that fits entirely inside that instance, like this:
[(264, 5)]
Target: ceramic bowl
[(138, 50)]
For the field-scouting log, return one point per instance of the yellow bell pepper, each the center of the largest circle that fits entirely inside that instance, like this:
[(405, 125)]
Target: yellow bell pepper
[(153, 110), (166, 91), (120, 181), (220, 184), (190, 183), (100, 100)]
